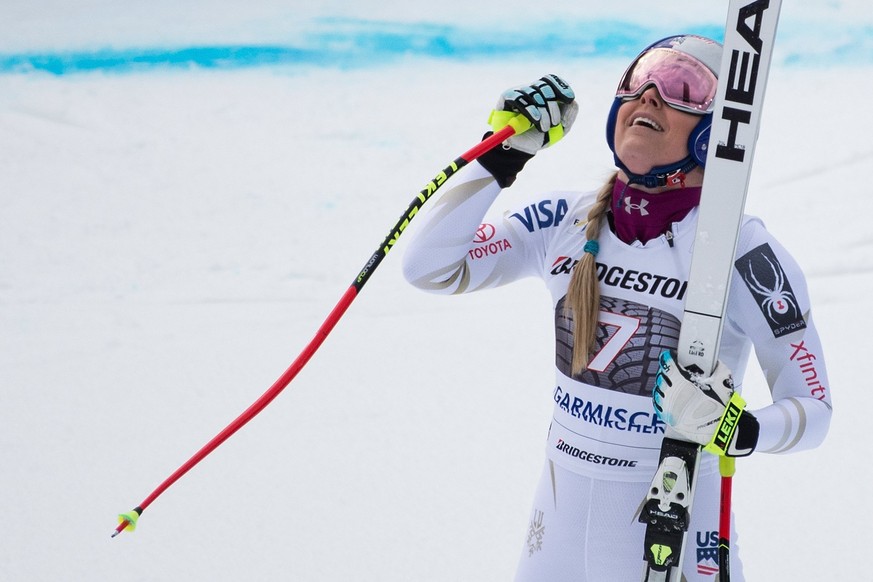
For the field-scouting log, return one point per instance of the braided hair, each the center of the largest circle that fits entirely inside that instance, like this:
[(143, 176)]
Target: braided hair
[(583, 295)]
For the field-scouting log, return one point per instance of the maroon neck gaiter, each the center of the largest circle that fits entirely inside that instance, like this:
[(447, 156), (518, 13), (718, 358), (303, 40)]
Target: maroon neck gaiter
[(642, 216)]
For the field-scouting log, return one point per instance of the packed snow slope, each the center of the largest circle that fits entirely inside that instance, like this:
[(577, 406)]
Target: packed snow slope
[(186, 189)]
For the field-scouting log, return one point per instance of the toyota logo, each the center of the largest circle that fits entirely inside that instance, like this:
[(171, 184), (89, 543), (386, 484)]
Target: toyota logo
[(484, 233)]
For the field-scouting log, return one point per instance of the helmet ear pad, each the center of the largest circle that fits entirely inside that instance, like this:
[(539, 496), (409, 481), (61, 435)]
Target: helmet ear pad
[(610, 130), (698, 140)]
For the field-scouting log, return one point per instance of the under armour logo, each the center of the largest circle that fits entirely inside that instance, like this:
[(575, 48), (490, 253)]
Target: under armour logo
[(629, 206)]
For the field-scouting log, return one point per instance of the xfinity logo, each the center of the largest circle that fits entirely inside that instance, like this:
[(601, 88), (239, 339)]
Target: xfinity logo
[(742, 80), (806, 360)]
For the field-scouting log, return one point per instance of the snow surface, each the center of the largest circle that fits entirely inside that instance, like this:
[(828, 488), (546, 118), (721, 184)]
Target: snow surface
[(171, 239)]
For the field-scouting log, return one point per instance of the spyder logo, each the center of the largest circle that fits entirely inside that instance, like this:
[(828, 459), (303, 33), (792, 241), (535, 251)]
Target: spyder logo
[(765, 278), (775, 300)]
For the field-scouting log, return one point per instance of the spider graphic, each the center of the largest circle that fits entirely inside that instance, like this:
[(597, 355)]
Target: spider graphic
[(776, 301)]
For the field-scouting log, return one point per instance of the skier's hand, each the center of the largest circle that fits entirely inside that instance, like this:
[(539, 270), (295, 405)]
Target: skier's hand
[(548, 103), (704, 409), (550, 106)]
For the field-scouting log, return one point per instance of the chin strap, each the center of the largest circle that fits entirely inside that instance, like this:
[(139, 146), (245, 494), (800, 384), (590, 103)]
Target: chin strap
[(672, 175)]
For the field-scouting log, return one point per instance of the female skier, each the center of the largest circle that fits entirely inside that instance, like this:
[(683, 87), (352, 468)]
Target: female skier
[(616, 263)]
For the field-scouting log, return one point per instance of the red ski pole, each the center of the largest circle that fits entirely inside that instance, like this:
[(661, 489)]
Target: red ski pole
[(727, 468), (519, 124)]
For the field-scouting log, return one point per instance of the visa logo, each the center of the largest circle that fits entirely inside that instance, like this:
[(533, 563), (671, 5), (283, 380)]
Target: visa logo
[(543, 214)]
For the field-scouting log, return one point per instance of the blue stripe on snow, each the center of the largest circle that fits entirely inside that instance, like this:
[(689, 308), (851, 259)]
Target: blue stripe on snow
[(350, 43)]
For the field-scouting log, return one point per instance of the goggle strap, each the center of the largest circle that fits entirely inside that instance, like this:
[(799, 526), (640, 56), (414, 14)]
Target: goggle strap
[(663, 175)]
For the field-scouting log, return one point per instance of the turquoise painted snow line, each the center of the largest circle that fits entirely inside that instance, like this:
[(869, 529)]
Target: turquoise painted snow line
[(355, 44)]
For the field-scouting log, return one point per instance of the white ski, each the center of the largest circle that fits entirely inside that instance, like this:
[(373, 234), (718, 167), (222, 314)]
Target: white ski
[(750, 32), (748, 47)]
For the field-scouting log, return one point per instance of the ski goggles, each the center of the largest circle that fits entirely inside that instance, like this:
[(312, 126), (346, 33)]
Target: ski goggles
[(683, 82)]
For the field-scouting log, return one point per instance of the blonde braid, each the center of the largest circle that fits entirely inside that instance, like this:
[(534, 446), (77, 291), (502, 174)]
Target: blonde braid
[(583, 295)]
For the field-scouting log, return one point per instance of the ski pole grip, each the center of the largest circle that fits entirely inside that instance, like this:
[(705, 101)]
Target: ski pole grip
[(513, 124), (500, 119), (727, 466), (520, 124)]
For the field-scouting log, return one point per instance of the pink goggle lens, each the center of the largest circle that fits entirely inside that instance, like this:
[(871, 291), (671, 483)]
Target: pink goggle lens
[(683, 82)]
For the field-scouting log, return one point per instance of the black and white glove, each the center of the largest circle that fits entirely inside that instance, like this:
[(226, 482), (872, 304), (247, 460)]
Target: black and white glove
[(549, 105), (704, 409)]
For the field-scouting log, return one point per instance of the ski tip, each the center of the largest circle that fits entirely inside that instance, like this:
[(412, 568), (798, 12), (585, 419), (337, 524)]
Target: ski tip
[(127, 521)]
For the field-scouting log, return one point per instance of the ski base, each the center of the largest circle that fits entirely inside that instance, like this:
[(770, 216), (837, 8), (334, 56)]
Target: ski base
[(667, 510)]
